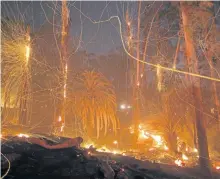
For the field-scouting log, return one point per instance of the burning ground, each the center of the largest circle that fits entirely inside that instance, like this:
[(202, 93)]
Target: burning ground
[(24, 157)]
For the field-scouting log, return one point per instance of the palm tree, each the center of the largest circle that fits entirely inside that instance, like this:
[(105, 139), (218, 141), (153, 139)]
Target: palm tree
[(93, 100)]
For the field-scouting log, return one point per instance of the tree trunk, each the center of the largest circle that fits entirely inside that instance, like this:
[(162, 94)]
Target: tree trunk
[(60, 113), (200, 126)]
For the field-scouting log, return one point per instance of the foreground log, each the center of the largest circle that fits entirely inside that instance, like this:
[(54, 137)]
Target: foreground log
[(75, 142)]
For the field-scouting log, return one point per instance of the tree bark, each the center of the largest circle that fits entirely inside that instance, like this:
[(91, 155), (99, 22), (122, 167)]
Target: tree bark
[(200, 125), (60, 113)]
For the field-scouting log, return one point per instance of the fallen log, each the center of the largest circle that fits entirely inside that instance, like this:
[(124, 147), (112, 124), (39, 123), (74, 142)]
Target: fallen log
[(75, 142)]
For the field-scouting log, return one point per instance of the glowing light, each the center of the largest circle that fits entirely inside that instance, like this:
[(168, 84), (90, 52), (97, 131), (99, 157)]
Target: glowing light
[(123, 154), (142, 135), (122, 106), (151, 149), (89, 153), (217, 167), (184, 157), (129, 23), (159, 78), (158, 139), (114, 152), (64, 93), (139, 126), (142, 75), (59, 119), (166, 148), (23, 135), (138, 84), (87, 145), (61, 129), (178, 162), (0, 135), (129, 107), (115, 142), (27, 53), (195, 150)]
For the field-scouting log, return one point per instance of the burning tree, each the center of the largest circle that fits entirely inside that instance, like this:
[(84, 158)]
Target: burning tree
[(16, 74)]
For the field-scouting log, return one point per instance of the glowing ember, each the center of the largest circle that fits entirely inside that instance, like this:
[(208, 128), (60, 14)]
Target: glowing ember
[(87, 145), (195, 150), (143, 135), (158, 139), (166, 148), (179, 163), (61, 129), (184, 157), (27, 52), (139, 126), (23, 135), (159, 77)]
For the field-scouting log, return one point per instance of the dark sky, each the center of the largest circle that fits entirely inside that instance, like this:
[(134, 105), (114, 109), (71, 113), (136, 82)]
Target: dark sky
[(96, 38)]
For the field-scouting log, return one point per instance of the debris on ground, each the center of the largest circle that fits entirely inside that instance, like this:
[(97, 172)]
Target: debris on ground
[(34, 160)]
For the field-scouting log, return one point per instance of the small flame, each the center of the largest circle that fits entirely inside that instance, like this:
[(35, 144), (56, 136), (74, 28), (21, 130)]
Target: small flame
[(184, 157), (23, 135), (139, 126), (158, 139), (27, 53), (166, 148), (179, 163), (195, 150), (61, 129)]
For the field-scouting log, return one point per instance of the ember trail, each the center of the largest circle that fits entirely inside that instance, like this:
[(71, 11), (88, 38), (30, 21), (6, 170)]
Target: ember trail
[(110, 90)]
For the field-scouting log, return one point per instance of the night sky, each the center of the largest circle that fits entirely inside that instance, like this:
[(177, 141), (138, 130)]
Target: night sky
[(96, 38)]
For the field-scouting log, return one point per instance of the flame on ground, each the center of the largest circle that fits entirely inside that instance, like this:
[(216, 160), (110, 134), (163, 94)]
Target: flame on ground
[(23, 135), (184, 157), (178, 162)]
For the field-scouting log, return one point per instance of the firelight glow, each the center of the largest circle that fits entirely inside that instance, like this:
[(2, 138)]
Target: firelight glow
[(122, 106), (27, 53), (115, 142), (23, 135)]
